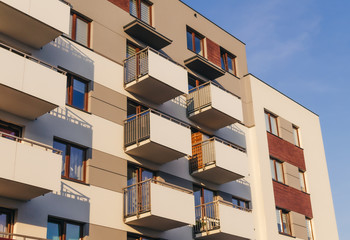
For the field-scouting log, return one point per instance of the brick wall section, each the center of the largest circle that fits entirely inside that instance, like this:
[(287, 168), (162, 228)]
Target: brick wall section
[(286, 151), (292, 199), (213, 52), (123, 4)]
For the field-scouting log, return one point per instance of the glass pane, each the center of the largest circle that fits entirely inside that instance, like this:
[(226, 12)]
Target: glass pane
[(302, 181), (146, 175), (273, 173), (79, 94), (279, 223), (189, 41), (132, 176), (70, 25), (235, 201), (130, 50), (73, 231), (132, 8), (197, 196), (309, 229), (295, 135), (229, 64), (3, 222), (62, 147), (53, 231), (223, 61), (76, 163), (82, 32), (208, 196), (198, 43), (285, 220), (273, 125), (267, 118), (279, 170), (145, 13)]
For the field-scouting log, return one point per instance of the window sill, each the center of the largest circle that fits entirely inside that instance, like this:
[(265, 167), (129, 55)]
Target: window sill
[(78, 109), (286, 234), (74, 180)]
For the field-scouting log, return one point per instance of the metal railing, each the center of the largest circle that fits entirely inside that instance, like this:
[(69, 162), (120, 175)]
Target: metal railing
[(4, 235), (22, 54), (32, 143), (200, 97), (137, 197), (137, 128), (136, 65), (203, 153)]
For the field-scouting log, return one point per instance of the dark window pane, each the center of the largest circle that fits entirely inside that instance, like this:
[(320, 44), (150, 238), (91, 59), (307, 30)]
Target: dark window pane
[(53, 231), (189, 41), (198, 46), (3, 222), (229, 65), (73, 231), (235, 201), (79, 89), (223, 62), (197, 196), (62, 147), (132, 8), (208, 196), (146, 175), (76, 163)]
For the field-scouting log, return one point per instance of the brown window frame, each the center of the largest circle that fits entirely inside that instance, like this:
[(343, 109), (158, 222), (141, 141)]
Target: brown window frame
[(138, 10), (304, 181), (63, 226), (70, 80), (311, 226), (296, 129), (271, 115), (224, 55), (275, 169), (281, 212), (10, 217), (239, 200), (69, 145), (76, 15), (200, 37)]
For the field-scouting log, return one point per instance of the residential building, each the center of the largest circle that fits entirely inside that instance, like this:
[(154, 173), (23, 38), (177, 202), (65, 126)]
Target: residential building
[(137, 119)]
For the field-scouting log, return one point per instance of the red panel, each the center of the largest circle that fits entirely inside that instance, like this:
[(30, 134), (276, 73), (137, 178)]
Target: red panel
[(292, 199), (286, 151), (123, 4), (213, 52)]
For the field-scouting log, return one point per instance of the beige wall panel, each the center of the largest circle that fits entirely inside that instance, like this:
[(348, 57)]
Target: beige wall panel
[(106, 179), (107, 111), (291, 175), (110, 96), (231, 83), (108, 162), (97, 232), (246, 96), (286, 130), (298, 225)]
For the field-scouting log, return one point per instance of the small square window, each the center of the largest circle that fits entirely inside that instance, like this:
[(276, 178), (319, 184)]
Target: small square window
[(77, 92), (271, 123), (79, 29), (194, 42), (228, 61)]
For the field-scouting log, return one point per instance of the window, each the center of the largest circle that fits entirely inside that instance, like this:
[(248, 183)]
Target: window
[(310, 235), (302, 181), (131, 49), (10, 130), (73, 160), (277, 170), (228, 61), (137, 174), (142, 10), (194, 82), (194, 42), (296, 136), (134, 108), (283, 221), (271, 123), (79, 29), (77, 92), (240, 203), (58, 229), (6, 220)]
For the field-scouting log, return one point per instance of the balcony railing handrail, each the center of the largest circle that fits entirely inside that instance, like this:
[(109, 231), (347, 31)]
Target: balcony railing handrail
[(20, 53), (19, 139), (163, 115), (165, 184), (21, 236), (225, 203), (216, 85), (223, 142), (155, 51)]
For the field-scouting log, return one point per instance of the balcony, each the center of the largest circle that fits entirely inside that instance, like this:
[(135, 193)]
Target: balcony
[(218, 161), (147, 34), (9, 236), (29, 87), (202, 66), (156, 137), (213, 107), (158, 205), (34, 22), (28, 169), (223, 220), (154, 77)]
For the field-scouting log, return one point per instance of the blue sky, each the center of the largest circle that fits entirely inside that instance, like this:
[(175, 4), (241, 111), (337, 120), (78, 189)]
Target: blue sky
[(302, 48)]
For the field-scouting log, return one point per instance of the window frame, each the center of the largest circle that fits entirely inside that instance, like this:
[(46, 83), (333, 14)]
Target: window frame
[(224, 55), (239, 200), (76, 15), (69, 145), (269, 116), (309, 228), (275, 169), (10, 217), (63, 226), (138, 11), (195, 34), (282, 212), (70, 80), (296, 136), (302, 180)]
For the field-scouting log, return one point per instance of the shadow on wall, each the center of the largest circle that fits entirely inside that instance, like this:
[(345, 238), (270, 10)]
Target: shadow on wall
[(234, 134), (69, 192), (69, 116)]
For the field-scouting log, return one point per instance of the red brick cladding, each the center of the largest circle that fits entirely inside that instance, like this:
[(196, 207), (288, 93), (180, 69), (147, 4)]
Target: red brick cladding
[(292, 199), (213, 52), (286, 151), (123, 4)]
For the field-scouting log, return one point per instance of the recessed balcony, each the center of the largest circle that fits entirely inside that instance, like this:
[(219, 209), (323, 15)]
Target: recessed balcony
[(34, 22), (29, 87), (28, 169), (213, 107), (202, 66), (147, 34), (154, 77), (158, 205), (156, 137), (218, 161), (223, 220)]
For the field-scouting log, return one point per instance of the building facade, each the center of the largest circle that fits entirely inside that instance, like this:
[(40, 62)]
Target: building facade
[(137, 119)]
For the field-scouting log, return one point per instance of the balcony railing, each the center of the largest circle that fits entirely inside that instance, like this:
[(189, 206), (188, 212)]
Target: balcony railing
[(137, 197), (203, 153), (208, 216), (10, 236)]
